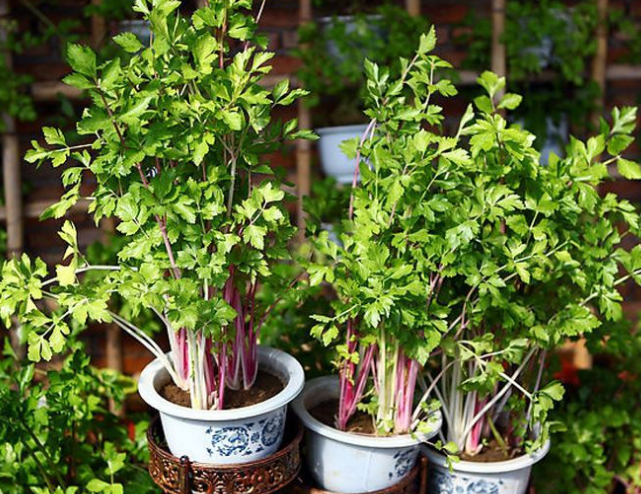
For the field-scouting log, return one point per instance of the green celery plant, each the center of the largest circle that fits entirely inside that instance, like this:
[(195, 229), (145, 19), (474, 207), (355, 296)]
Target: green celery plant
[(467, 248), (531, 258), (377, 272), (174, 138)]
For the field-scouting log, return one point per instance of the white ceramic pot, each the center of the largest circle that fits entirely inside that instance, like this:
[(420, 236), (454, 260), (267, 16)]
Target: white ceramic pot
[(333, 160), (468, 477), (139, 27), (353, 463), (224, 437)]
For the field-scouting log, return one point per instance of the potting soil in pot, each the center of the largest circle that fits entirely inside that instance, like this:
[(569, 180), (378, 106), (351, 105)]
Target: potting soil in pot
[(266, 386), (493, 452), (360, 423)]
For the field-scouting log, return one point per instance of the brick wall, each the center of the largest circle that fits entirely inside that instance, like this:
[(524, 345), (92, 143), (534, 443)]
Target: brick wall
[(279, 23)]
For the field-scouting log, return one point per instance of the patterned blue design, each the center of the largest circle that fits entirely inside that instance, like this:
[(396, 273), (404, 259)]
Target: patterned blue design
[(404, 462), (229, 441), (272, 430), (441, 483), (483, 487), (247, 438)]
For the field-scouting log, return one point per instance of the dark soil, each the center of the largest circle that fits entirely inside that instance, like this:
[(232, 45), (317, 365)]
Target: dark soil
[(491, 453), (266, 386), (360, 423)]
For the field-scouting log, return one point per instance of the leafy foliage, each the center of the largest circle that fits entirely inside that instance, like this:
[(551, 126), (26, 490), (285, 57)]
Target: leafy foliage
[(602, 444), (57, 435), (468, 244), (175, 138)]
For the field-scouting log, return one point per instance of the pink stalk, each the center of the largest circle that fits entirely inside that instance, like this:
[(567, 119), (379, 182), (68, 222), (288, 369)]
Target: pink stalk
[(210, 375), (250, 350), (242, 360), (406, 376), (352, 387), (222, 374), (473, 441), (180, 355)]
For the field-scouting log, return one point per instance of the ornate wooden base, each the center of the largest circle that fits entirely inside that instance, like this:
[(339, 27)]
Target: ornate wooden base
[(414, 483), (180, 476)]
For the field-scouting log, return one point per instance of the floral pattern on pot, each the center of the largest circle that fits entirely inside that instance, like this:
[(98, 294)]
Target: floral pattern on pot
[(450, 483), (405, 460), (246, 439)]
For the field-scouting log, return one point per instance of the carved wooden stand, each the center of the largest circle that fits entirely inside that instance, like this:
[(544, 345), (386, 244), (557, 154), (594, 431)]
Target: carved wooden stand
[(414, 483), (181, 476)]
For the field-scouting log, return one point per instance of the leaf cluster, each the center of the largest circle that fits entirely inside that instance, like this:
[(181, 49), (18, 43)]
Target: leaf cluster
[(175, 139), (57, 435)]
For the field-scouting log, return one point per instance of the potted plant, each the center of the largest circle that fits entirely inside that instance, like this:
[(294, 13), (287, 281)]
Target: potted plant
[(122, 17), (175, 135), (549, 47), (366, 424), (529, 257), (333, 51)]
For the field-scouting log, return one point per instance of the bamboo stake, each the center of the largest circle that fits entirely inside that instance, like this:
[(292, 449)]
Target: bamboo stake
[(599, 64), (11, 176), (499, 64), (413, 7), (98, 28), (11, 161), (303, 147)]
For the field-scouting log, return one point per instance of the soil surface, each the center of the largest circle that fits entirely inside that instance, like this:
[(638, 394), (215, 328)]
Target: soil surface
[(491, 453), (266, 386), (360, 423)]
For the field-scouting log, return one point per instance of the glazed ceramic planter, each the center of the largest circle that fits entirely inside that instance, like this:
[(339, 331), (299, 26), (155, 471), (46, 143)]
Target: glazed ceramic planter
[(225, 437), (333, 160), (353, 463), (139, 27), (468, 477)]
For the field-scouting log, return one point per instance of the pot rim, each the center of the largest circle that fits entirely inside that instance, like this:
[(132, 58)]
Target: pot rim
[(340, 129), (268, 357), (326, 19), (519, 463), (400, 441)]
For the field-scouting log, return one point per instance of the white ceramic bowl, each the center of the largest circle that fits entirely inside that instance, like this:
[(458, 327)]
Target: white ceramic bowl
[(224, 437), (353, 463), (501, 477), (333, 161)]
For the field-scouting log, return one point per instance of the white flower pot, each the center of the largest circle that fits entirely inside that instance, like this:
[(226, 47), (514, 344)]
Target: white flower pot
[(468, 477), (353, 463), (139, 27), (333, 160), (224, 437)]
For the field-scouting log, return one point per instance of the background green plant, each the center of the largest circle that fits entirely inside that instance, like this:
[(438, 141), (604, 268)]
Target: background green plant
[(333, 52), (601, 445), (15, 98), (57, 434), (553, 87)]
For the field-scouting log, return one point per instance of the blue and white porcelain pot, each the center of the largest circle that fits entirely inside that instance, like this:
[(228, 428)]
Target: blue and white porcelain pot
[(468, 477), (333, 161), (353, 463), (226, 437)]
